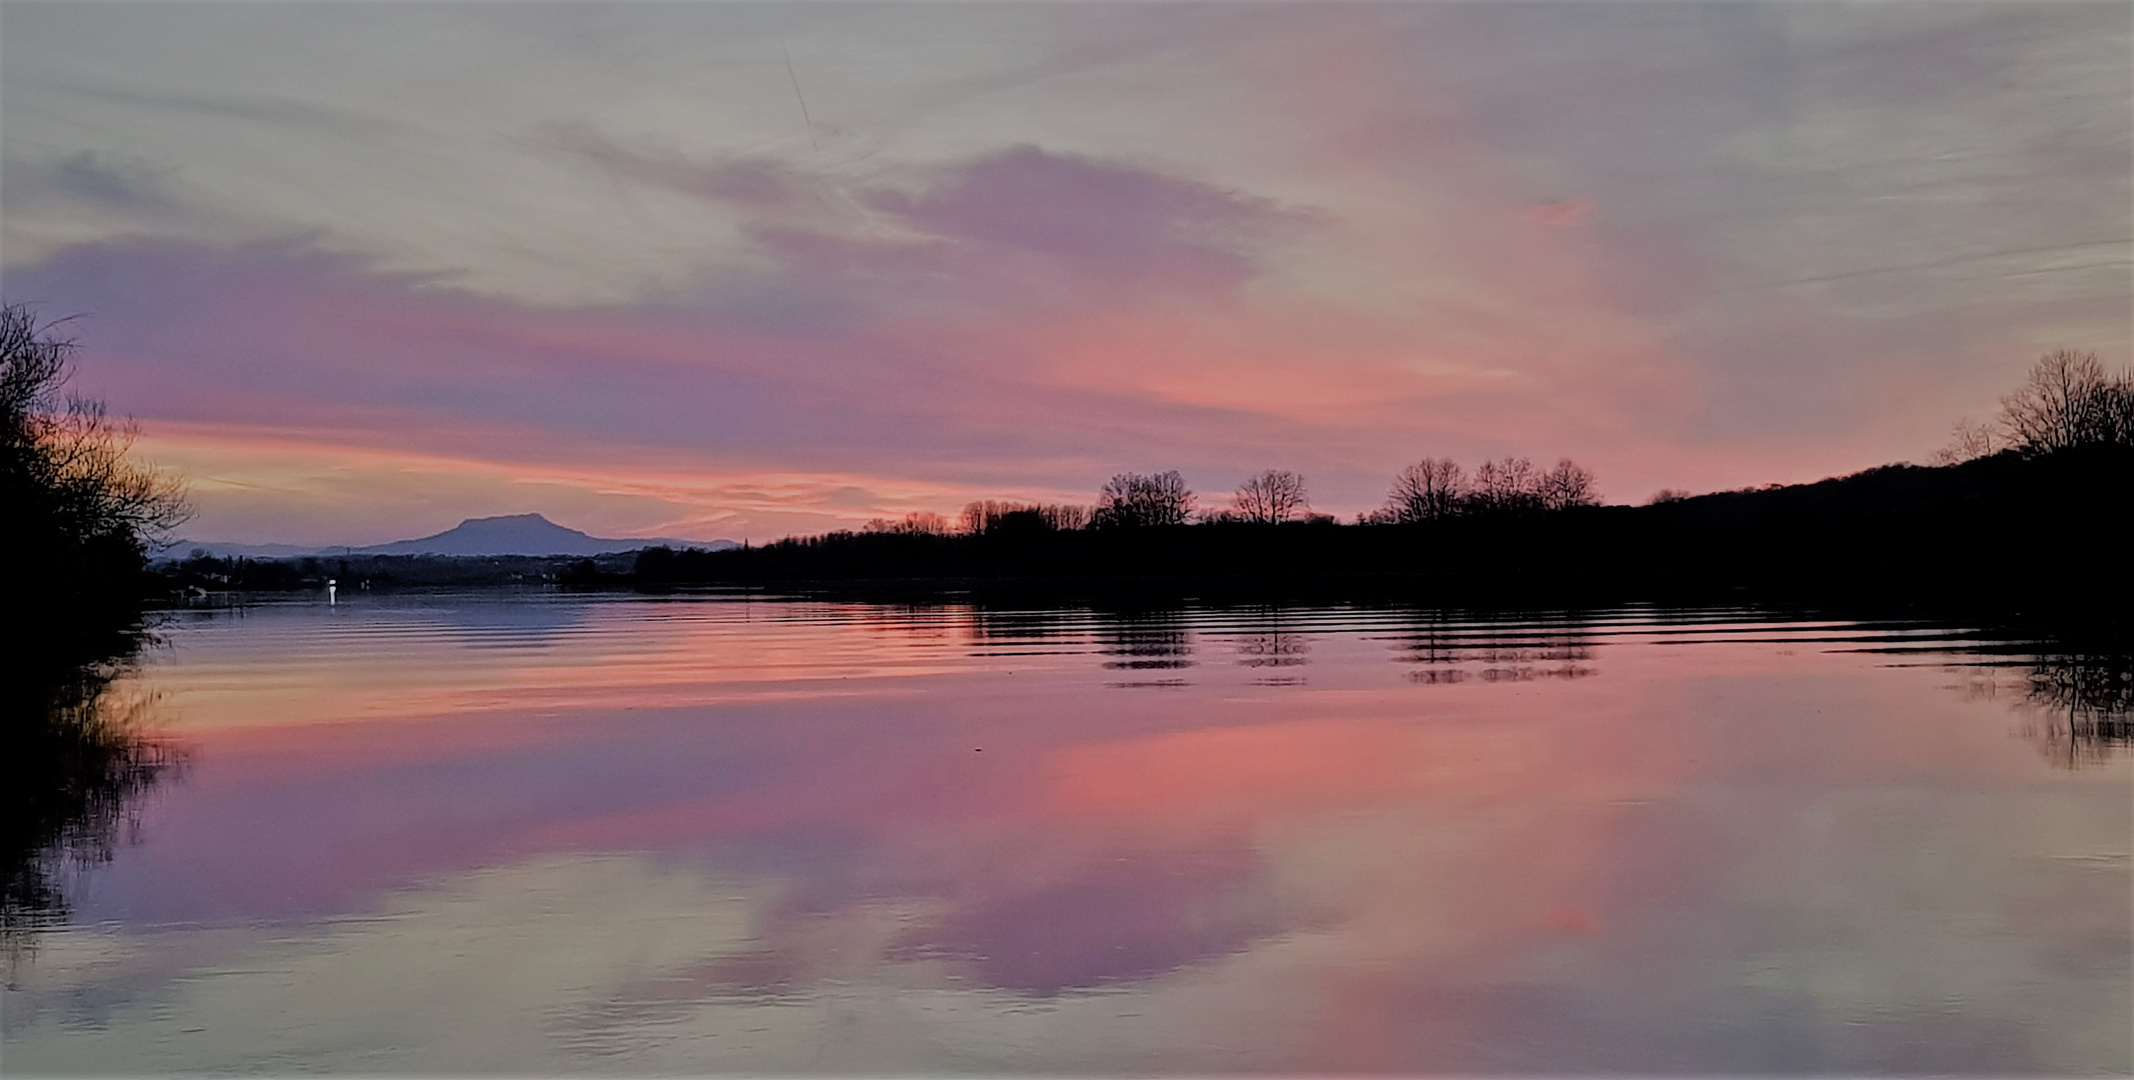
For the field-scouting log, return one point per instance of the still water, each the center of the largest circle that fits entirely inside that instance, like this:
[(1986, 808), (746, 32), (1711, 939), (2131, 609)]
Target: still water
[(539, 834)]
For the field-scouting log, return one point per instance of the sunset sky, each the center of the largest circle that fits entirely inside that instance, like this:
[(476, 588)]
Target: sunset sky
[(734, 270)]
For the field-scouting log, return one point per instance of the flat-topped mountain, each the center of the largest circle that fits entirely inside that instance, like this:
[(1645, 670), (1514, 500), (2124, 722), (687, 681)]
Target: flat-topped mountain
[(509, 534), (520, 534)]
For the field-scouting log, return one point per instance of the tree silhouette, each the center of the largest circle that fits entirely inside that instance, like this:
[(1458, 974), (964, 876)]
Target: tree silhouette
[(987, 517), (1063, 517), (1568, 485), (1273, 496), (1131, 500), (81, 514), (1428, 490), (983, 515), (2068, 401), (63, 460), (1505, 486), (1437, 488), (917, 523), (1968, 441)]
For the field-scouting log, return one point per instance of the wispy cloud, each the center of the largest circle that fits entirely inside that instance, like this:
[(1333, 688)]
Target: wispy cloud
[(1023, 247)]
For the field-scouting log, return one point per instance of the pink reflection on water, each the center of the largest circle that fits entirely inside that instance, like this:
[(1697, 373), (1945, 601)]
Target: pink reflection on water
[(1432, 874)]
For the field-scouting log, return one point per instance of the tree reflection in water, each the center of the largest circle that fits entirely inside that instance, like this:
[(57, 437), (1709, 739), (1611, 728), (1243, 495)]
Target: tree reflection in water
[(1270, 643), (2079, 705), (78, 753), (1151, 641), (2075, 703), (1452, 649)]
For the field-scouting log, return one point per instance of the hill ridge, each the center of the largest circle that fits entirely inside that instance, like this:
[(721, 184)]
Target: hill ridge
[(499, 534)]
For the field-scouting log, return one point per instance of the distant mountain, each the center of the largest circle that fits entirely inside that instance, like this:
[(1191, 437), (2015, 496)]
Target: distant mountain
[(183, 549), (511, 534)]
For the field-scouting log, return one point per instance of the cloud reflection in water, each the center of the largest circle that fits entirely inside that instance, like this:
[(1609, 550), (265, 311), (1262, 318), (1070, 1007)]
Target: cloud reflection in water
[(691, 836)]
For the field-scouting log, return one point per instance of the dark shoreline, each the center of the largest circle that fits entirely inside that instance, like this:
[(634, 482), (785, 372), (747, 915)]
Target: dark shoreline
[(2016, 537), (2007, 537)]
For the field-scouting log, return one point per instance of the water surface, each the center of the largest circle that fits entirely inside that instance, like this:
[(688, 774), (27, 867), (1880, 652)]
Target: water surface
[(541, 833)]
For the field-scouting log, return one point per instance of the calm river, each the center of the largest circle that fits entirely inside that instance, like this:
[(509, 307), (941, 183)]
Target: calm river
[(550, 834)]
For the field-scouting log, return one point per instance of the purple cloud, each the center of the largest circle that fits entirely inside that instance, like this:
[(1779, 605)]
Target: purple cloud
[(1106, 218)]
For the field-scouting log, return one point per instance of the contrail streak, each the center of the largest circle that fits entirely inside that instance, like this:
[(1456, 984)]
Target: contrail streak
[(805, 118)]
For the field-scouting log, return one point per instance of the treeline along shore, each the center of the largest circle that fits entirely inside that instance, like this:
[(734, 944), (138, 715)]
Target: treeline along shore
[(195, 573), (2003, 529), (2014, 528)]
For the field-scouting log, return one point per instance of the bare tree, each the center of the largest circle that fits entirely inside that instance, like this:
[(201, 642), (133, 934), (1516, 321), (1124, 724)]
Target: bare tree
[(1430, 489), (1063, 517), (1506, 485), (981, 516), (1133, 500), (33, 365), (1436, 488), (1968, 441), (1568, 484), (1273, 496), (2068, 401), (988, 516), (916, 523)]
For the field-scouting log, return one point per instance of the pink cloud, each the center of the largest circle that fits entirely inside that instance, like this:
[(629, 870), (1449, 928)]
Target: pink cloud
[(1123, 224)]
